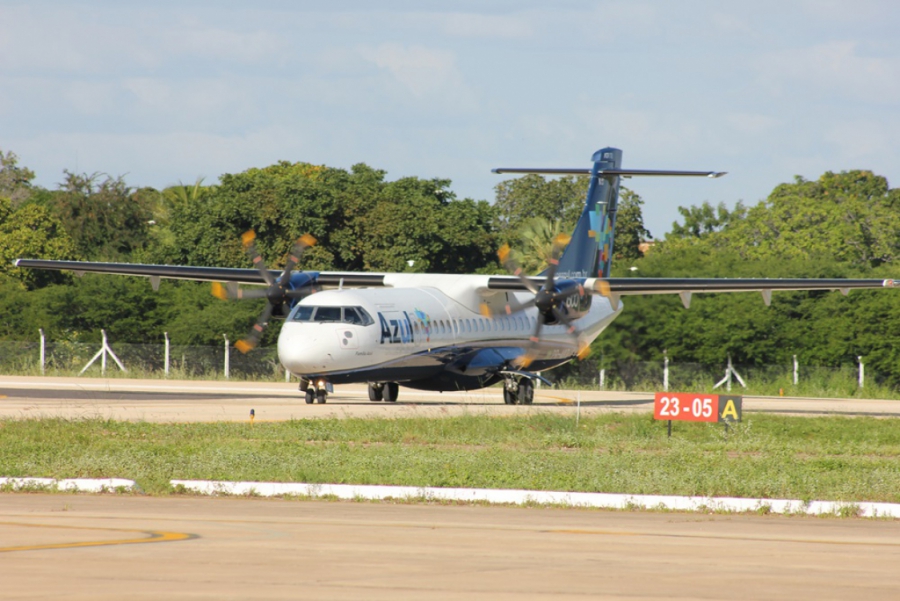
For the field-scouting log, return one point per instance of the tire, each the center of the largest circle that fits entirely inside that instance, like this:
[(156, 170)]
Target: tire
[(509, 397), (526, 392), (321, 396), (376, 393), (391, 391), (310, 396)]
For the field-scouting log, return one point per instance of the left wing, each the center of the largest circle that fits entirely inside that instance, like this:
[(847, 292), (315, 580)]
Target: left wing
[(201, 274)]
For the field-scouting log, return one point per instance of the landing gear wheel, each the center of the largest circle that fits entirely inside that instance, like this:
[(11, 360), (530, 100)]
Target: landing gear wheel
[(310, 396), (526, 392), (376, 393), (391, 391), (509, 397), (321, 396)]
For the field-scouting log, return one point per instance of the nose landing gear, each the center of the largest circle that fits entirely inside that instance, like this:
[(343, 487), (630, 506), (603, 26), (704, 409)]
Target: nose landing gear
[(517, 391), (316, 392)]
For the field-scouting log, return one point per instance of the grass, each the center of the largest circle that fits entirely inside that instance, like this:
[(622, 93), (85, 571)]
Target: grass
[(827, 458)]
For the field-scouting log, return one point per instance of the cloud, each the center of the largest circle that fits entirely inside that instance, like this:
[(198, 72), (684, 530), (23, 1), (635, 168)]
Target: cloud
[(836, 67), (485, 26), (426, 73), (751, 123)]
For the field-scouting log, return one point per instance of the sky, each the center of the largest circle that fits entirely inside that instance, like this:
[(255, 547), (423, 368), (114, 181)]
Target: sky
[(168, 91)]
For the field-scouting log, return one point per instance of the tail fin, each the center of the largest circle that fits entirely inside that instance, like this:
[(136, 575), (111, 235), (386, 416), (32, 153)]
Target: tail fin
[(589, 253)]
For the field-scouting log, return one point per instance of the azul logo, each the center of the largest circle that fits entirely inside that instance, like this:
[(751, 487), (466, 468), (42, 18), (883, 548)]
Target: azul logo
[(396, 327)]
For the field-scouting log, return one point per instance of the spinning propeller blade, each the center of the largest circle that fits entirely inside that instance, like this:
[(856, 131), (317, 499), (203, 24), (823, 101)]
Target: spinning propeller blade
[(547, 299), (276, 294)]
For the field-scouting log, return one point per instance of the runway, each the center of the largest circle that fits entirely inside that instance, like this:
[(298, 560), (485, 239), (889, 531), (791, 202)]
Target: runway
[(108, 547), (112, 546), (198, 401)]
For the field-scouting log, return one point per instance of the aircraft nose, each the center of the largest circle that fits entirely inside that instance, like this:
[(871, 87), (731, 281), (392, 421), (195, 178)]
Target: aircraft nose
[(305, 349)]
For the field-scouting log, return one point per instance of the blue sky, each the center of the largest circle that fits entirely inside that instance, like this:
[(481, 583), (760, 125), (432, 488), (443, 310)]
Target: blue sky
[(163, 92)]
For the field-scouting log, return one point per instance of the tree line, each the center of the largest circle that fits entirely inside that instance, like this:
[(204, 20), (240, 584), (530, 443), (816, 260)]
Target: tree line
[(840, 225)]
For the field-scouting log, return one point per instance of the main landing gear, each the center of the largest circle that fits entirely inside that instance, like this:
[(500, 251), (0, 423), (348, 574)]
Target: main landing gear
[(316, 392), (518, 392), (384, 391)]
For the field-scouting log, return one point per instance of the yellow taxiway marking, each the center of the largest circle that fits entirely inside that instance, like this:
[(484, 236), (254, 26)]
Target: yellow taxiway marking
[(153, 536)]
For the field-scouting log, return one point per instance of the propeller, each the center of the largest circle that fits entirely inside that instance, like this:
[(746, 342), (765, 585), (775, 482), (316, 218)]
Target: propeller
[(548, 300), (276, 294)]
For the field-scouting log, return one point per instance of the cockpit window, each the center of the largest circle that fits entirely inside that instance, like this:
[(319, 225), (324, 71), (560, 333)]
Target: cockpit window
[(327, 314), (303, 313), (352, 315)]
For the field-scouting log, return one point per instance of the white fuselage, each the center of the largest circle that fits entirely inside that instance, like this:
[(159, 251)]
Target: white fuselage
[(415, 315)]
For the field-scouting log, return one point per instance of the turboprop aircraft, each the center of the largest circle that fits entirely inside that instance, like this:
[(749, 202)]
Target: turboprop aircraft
[(448, 332)]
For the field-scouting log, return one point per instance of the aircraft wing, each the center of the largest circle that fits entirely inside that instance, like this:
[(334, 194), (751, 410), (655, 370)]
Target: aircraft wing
[(685, 287), (202, 274)]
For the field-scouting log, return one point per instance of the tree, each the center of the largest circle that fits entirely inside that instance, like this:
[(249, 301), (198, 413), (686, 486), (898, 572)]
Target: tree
[(107, 219), (706, 219), (630, 231), (521, 199), (15, 181), (534, 249), (32, 232)]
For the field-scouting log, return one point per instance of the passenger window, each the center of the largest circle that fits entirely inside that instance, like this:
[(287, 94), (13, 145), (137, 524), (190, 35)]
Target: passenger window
[(303, 313), (328, 314)]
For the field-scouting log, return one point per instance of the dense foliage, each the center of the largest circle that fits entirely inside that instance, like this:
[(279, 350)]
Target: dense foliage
[(841, 225)]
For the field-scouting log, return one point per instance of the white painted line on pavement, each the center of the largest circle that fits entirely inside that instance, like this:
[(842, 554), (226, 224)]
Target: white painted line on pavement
[(522, 497)]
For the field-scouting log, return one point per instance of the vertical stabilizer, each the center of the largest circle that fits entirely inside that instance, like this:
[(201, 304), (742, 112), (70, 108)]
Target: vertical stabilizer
[(589, 253)]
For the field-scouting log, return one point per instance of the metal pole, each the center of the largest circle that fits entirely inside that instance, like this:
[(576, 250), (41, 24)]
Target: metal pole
[(730, 371), (103, 354), (227, 357), (166, 334), (666, 371), (577, 407), (602, 378), (43, 349), (862, 372), (795, 370)]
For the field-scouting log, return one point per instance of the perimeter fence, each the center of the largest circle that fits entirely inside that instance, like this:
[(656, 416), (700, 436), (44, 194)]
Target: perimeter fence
[(221, 362), (140, 360)]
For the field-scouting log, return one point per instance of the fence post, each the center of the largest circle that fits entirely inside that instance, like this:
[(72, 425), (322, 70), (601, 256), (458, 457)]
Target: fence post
[(166, 334), (227, 357), (795, 370), (862, 372), (666, 371), (43, 349), (103, 354)]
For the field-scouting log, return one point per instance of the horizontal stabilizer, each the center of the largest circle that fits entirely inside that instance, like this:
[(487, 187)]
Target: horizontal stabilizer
[(609, 172)]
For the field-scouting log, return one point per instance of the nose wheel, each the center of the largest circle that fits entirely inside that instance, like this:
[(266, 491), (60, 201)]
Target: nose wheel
[(314, 394), (518, 392)]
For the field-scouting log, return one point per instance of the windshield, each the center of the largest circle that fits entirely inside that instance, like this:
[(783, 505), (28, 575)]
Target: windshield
[(350, 315)]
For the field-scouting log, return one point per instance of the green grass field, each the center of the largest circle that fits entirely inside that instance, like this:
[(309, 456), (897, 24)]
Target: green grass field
[(827, 458)]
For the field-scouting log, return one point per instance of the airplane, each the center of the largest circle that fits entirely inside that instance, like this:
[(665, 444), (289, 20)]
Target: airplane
[(453, 332)]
